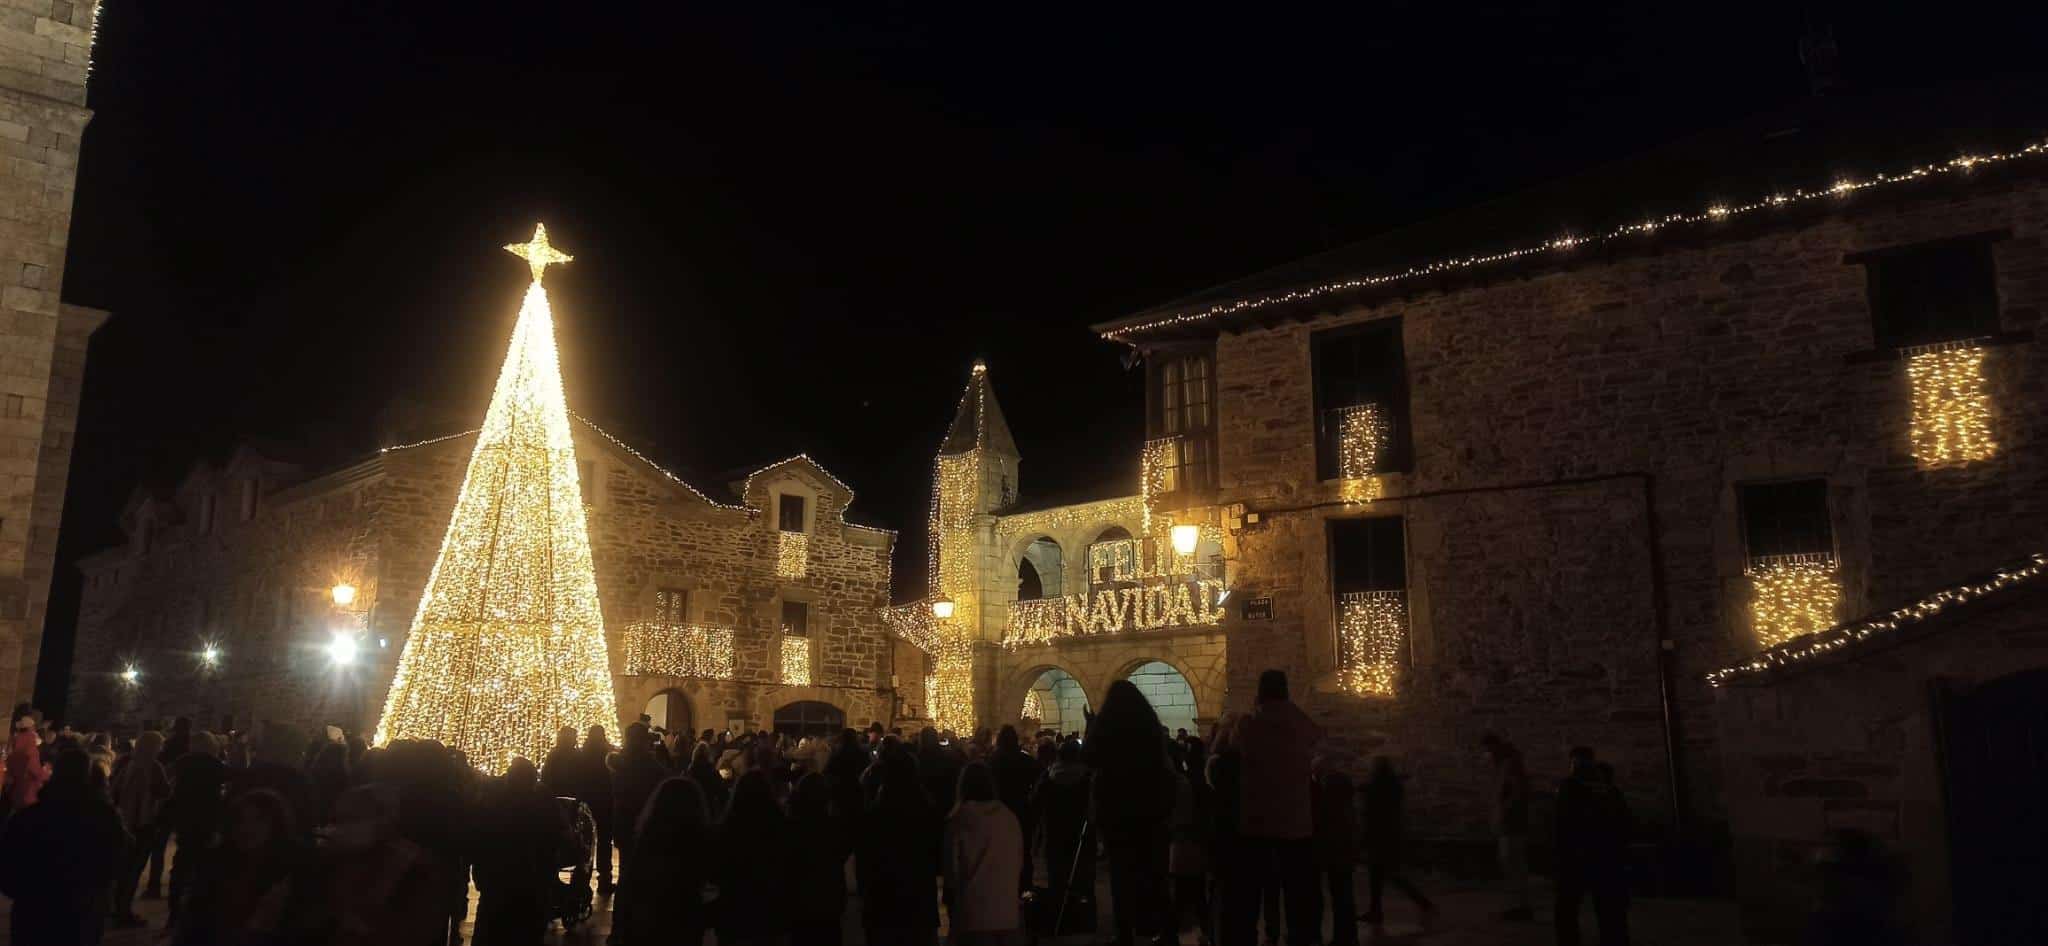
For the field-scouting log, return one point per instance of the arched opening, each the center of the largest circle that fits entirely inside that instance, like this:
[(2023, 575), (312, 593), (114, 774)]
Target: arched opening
[(669, 711), (809, 718), (1039, 570), (1168, 692), (1057, 701)]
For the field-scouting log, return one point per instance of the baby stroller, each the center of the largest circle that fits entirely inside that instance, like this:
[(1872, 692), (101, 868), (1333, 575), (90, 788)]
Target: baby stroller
[(571, 899)]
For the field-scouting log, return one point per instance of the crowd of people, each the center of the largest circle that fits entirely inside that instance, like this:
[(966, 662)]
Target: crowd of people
[(280, 838)]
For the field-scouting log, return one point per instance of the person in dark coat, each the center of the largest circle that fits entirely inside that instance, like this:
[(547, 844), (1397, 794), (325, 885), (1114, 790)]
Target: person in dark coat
[(938, 766), (273, 766), (1016, 773), (635, 772), (1331, 801), (198, 781), (1059, 805), (558, 771), (1592, 839), (1132, 808), (1385, 836), (842, 773), (250, 884), (674, 839), (592, 785), (58, 859), (753, 856), (704, 771), (898, 857), (818, 870), (520, 837)]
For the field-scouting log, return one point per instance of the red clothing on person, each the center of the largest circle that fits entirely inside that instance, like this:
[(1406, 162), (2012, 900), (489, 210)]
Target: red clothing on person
[(25, 770), (1276, 742)]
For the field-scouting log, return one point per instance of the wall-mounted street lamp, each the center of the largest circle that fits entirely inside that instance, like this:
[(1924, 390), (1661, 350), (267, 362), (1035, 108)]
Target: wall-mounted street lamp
[(1186, 536), (942, 608), (343, 593), (131, 676)]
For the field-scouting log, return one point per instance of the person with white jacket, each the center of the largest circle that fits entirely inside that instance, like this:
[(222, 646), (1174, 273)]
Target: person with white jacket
[(984, 851)]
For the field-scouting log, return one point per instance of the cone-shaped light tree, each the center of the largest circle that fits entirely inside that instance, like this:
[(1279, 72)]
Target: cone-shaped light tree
[(508, 644)]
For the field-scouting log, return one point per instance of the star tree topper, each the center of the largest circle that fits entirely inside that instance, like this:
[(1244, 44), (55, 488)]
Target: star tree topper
[(537, 252)]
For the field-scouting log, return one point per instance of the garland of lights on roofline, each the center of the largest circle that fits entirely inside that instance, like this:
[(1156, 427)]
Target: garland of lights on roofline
[(1712, 213), (1817, 644)]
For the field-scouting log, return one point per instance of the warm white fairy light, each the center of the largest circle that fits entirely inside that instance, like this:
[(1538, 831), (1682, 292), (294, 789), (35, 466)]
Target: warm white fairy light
[(792, 554), (1155, 468), (1716, 213), (1835, 638), (679, 650), (508, 643), (1034, 708), (796, 660), (1951, 409), (1147, 607), (1792, 595), (1363, 434), (1372, 630)]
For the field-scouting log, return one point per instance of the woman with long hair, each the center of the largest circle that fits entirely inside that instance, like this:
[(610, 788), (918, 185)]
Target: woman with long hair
[(704, 771), (984, 847), (1133, 802), (898, 856), (673, 838), (753, 864), (245, 896)]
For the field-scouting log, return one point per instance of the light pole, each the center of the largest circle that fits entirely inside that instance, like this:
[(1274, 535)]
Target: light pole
[(344, 650)]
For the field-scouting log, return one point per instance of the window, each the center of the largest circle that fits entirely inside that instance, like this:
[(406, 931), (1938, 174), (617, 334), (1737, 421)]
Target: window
[(789, 512), (1785, 518), (1360, 366), (1368, 555), (796, 618), (1182, 398), (672, 605), (1932, 292)]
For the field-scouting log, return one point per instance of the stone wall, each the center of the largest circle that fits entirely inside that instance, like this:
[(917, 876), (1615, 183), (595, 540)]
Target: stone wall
[(1561, 420), (1855, 743), (45, 48), (379, 526)]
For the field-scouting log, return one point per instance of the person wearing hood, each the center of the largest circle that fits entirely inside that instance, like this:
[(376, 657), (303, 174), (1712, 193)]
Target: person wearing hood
[(61, 900), (1059, 803), (197, 780), (140, 790), (983, 850)]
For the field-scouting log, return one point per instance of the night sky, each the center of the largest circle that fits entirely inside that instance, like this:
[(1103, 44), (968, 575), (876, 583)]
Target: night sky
[(795, 225)]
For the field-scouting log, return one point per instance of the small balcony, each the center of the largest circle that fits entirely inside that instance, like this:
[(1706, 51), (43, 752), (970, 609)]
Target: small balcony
[(679, 650)]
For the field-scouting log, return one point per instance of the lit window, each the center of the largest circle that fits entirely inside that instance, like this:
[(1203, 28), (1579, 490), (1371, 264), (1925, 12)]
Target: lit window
[(796, 618), (1183, 394), (1369, 574), (1795, 585), (1361, 389)]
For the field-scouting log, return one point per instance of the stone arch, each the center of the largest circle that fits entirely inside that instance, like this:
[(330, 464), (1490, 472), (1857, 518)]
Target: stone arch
[(673, 714), (1208, 695), (1047, 560), (1181, 706), (1012, 695), (769, 699), (635, 692)]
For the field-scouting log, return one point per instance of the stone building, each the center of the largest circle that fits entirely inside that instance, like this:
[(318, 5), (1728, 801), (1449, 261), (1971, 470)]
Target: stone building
[(1053, 603), (758, 608), (45, 52), (1463, 483)]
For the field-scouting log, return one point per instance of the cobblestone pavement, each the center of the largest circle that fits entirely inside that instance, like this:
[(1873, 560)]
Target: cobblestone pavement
[(1465, 920)]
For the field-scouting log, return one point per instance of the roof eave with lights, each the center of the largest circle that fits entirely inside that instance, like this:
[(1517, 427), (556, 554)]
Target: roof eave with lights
[(1712, 223)]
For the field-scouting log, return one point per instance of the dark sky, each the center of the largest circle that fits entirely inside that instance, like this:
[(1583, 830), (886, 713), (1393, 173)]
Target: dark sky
[(796, 224)]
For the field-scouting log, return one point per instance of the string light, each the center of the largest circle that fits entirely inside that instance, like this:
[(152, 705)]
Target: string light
[(508, 643), (1033, 708), (1363, 433), (1155, 465), (658, 468), (1372, 629), (796, 660), (1951, 409), (679, 650), (1121, 509), (1716, 213), (1835, 638), (1147, 607), (1792, 595), (792, 554), (423, 443)]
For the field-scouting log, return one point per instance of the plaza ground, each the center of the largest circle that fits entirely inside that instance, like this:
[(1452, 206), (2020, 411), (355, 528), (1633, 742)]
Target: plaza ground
[(1466, 919)]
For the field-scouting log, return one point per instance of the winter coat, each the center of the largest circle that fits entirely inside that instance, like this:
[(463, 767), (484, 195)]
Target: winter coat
[(634, 777), (25, 770), (560, 775), (1275, 742), (196, 810), (984, 854), (1336, 821), (1592, 825), (897, 859), (1187, 853), (1016, 774), (57, 862), (667, 900), (140, 790), (753, 878), (816, 894), (713, 786), (1383, 828)]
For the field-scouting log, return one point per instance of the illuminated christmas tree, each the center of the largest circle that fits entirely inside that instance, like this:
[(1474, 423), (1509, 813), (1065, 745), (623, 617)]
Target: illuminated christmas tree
[(508, 644)]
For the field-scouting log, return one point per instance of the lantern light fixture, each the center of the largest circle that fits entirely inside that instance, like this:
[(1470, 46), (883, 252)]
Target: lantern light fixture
[(343, 593), (1186, 535), (942, 607)]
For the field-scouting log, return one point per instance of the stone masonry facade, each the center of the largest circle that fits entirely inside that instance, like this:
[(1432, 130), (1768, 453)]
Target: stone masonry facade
[(45, 50), (242, 557), (1570, 515)]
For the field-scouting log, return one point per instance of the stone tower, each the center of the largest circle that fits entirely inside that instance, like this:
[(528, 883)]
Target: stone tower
[(982, 459), (45, 53)]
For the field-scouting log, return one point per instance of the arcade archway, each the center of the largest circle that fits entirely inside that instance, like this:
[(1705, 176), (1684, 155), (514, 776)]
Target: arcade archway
[(669, 710), (1057, 701), (1168, 692)]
